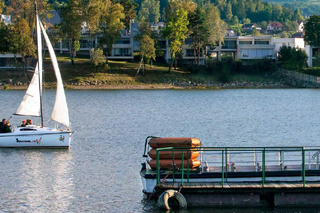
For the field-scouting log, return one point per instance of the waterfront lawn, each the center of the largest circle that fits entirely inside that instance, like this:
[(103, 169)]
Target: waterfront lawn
[(124, 72)]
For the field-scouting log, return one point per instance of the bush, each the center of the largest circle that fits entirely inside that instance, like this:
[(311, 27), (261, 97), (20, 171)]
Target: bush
[(291, 58)]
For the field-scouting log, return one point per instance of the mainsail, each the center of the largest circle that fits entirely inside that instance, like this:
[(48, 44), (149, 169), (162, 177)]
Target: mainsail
[(60, 112)]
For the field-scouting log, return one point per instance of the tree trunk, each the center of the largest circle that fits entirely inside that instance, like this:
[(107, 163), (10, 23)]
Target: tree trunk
[(199, 54), (106, 57), (151, 63), (171, 63), (175, 63)]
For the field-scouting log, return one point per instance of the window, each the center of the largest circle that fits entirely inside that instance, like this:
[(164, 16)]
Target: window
[(28, 129), (245, 42), (123, 41), (261, 42), (229, 45)]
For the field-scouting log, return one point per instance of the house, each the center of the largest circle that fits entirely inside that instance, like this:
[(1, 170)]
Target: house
[(248, 27), (5, 18), (290, 42), (275, 26)]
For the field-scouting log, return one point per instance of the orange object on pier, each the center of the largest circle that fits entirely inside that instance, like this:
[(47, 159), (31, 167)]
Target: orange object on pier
[(167, 164), (174, 142), (191, 154)]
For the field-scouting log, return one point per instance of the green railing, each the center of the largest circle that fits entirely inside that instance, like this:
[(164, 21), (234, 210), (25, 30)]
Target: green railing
[(226, 152)]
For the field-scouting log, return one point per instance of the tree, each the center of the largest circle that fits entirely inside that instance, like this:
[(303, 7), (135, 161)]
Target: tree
[(216, 27), (71, 24), (276, 12), (229, 12), (25, 9), (297, 16), (2, 6), (235, 20), (312, 31), (198, 31), (4, 41), (176, 31), (150, 10), (187, 5), (246, 21), (292, 58), (112, 25), (147, 51), (97, 58), (129, 11), (20, 41)]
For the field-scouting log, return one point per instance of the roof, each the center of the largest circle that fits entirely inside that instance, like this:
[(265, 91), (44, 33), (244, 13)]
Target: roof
[(297, 35), (275, 24)]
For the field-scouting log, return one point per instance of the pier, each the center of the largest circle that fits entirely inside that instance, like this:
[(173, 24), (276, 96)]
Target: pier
[(246, 176)]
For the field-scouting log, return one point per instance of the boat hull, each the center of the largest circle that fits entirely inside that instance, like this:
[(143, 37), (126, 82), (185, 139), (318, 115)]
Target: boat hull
[(42, 138)]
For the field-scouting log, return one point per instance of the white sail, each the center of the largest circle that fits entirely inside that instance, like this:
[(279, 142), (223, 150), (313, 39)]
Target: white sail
[(30, 104), (40, 58), (60, 112)]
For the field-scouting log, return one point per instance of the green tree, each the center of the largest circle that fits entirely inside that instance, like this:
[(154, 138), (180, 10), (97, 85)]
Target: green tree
[(20, 41), (216, 27), (276, 12), (235, 20), (199, 32), (129, 11), (187, 5), (147, 51), (176, 31), (297, 15), (112, 25), (292, 58), (312, 31), (229, 12), (71, 24), (97, 58), (4, 41), (246, 21), (150, 10)]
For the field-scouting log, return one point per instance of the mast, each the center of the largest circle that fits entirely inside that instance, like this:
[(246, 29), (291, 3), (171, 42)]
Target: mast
[(39, 49)]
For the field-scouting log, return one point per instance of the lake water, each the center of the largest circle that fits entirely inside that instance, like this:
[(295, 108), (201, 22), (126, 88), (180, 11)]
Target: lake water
[(100, 172)]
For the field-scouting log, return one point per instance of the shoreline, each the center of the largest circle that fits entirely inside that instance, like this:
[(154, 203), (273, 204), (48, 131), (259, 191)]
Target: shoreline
[(157, 87)]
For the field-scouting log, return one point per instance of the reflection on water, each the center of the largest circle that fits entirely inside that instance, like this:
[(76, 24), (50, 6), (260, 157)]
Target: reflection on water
[(37, 178), (100, 173)]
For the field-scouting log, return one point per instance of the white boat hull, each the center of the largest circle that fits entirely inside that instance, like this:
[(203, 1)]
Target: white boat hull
[(36, 137)]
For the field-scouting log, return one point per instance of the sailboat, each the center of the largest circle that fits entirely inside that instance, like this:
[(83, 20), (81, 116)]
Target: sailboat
[(34, 136)]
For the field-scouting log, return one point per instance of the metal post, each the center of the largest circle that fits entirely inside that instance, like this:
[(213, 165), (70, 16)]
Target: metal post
[(173, 167), (158, 168), (188, 168), (222, 170), (182, 172), (226, 164), (303, 168), (263, 166)]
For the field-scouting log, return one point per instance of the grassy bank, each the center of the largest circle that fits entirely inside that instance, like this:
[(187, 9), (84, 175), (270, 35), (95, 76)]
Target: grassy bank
[(122, 74)]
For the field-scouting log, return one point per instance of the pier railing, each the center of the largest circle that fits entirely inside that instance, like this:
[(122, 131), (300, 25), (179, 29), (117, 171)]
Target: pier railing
[(257, 160)]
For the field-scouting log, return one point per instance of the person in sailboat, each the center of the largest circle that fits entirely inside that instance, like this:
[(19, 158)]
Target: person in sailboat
[(4, 121), (29, 122), (6, 127), (24, 123)]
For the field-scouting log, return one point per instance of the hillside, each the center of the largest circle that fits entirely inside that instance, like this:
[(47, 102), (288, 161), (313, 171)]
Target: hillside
[(307, 7)]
